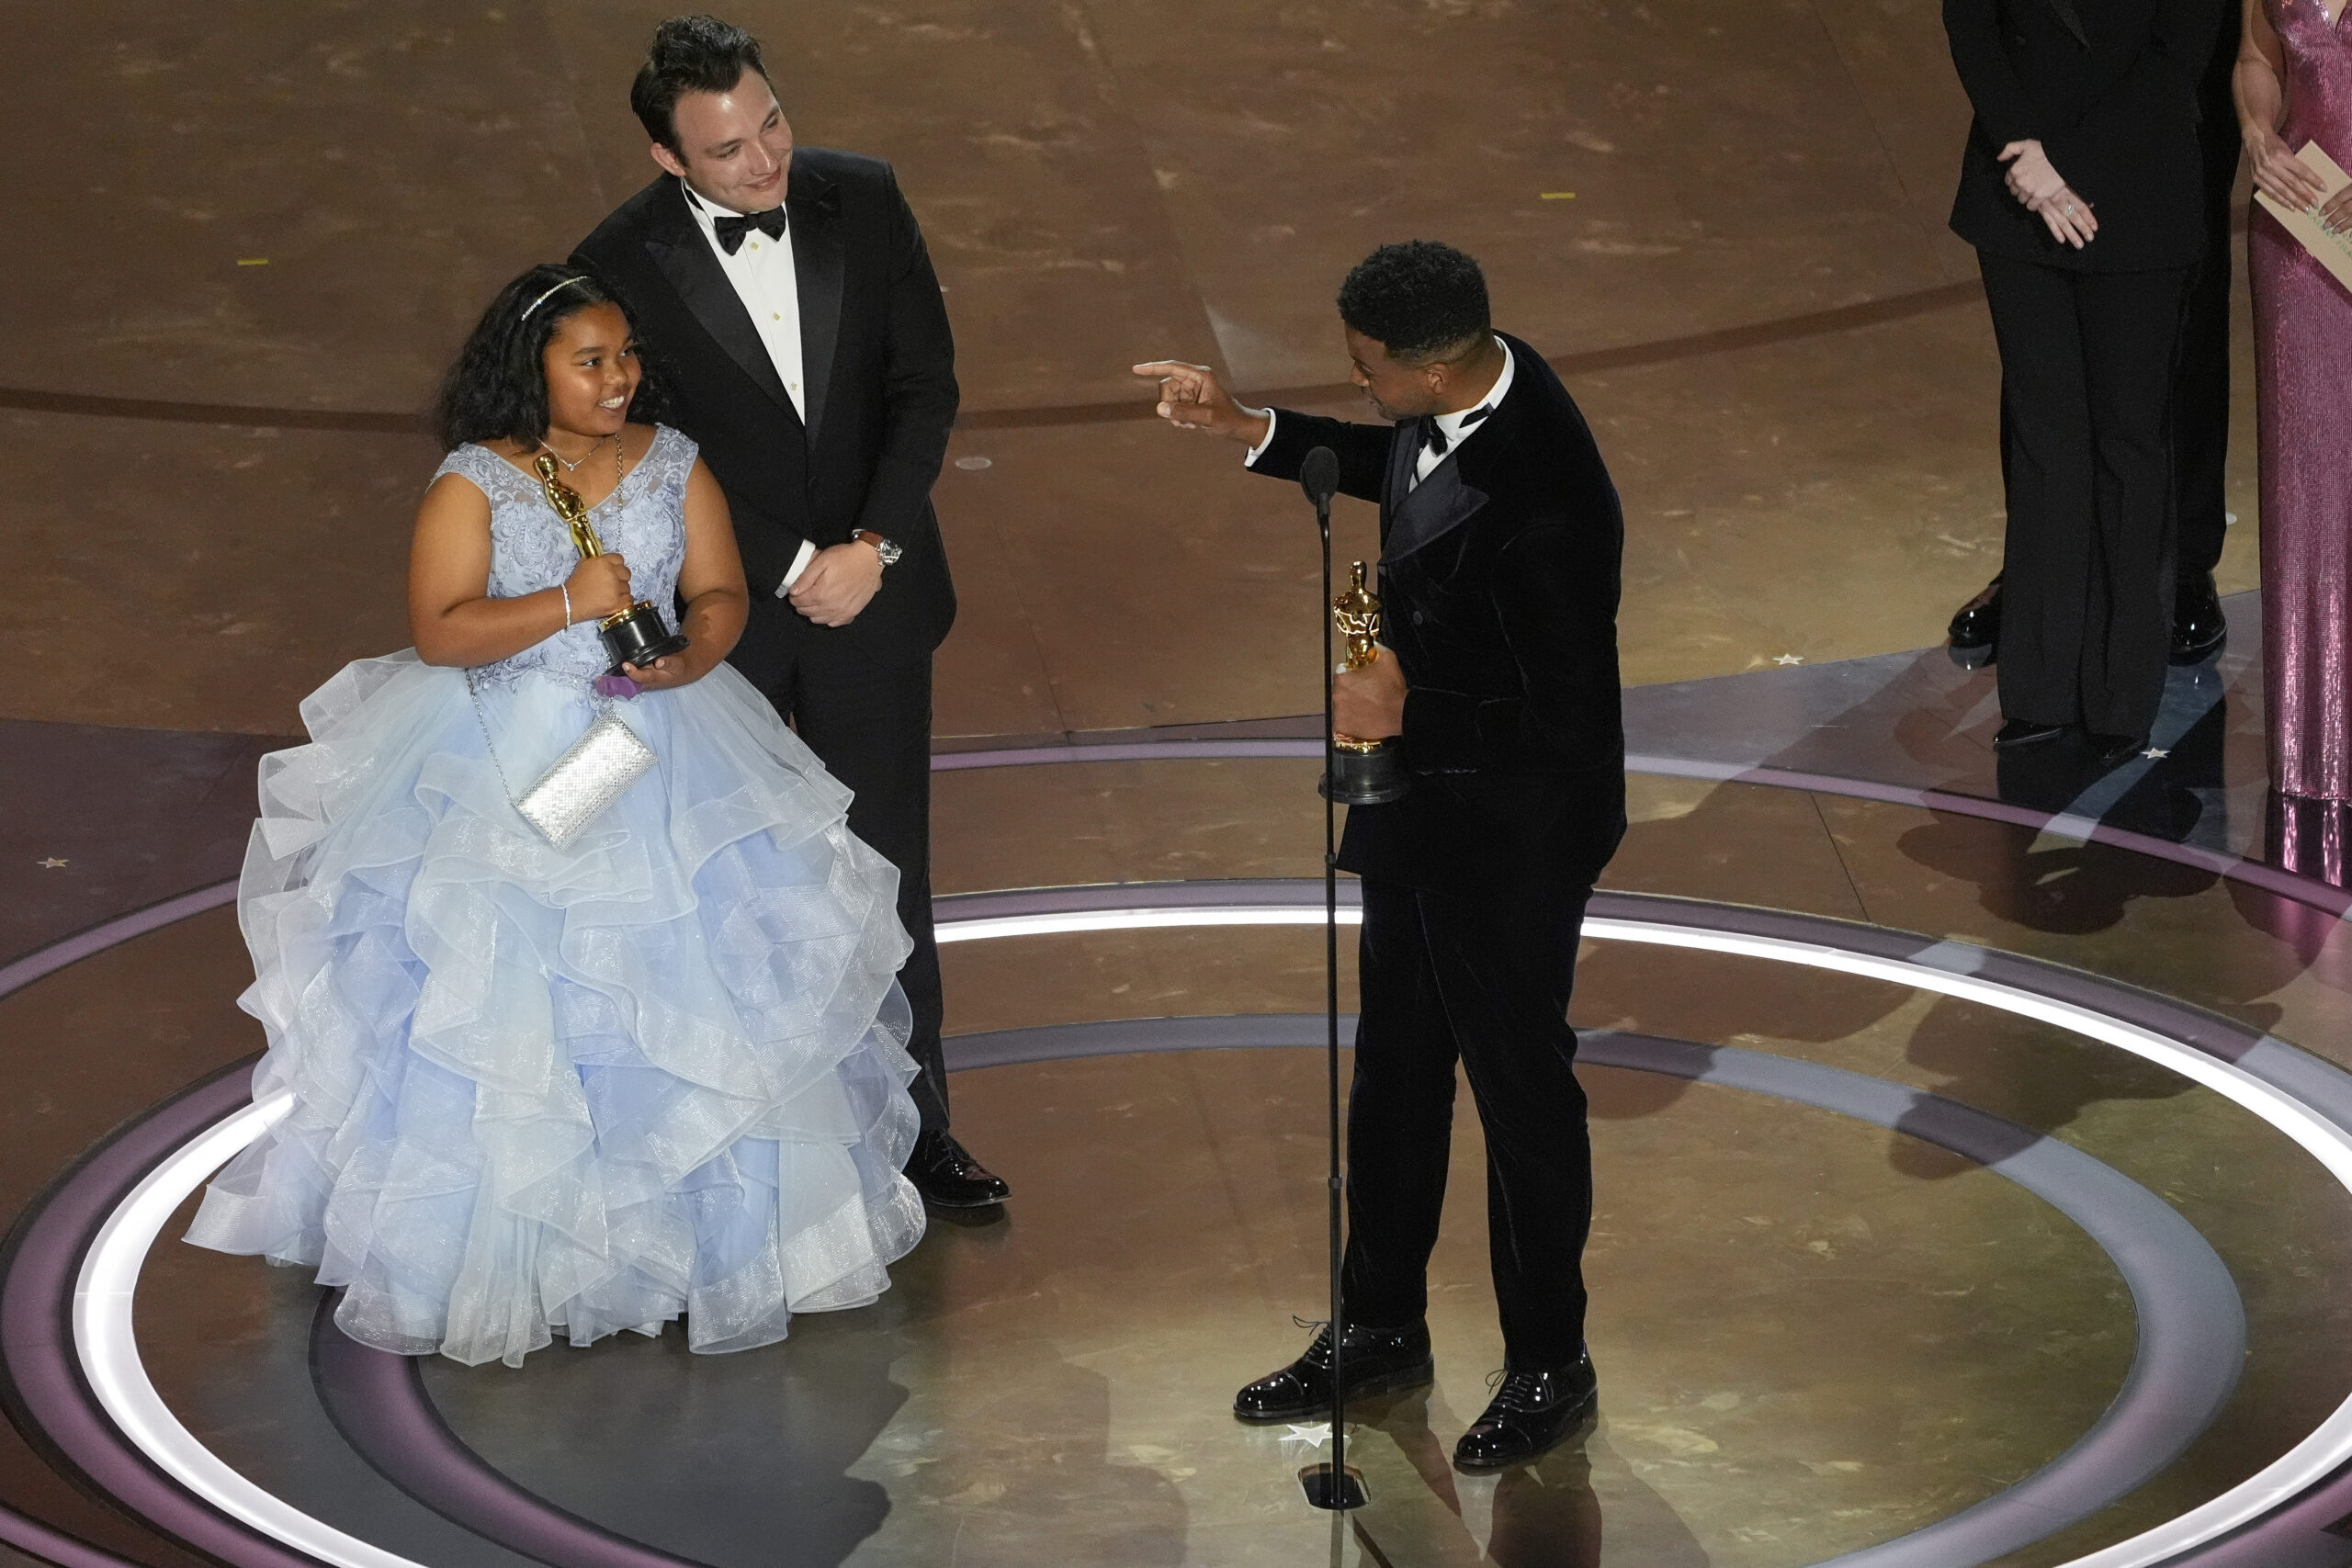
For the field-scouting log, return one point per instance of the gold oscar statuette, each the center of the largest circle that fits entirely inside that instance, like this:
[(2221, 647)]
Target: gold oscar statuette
[(636, 636), (1363, 773)]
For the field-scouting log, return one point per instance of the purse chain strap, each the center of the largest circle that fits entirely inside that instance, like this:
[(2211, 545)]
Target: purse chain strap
[(481, 716)]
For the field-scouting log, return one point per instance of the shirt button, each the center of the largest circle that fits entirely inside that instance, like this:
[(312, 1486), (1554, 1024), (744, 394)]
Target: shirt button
[(1417, 617)]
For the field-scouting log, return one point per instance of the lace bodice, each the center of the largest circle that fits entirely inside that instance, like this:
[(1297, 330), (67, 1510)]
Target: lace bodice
[(530, 550)]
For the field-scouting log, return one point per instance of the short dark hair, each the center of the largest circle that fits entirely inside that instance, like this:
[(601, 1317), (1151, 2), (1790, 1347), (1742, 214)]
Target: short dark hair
[(1418, 300), (498, 388), (690, 54)]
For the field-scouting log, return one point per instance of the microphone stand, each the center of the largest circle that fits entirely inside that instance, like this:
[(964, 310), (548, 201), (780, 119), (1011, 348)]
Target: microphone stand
[(1333, 1485)]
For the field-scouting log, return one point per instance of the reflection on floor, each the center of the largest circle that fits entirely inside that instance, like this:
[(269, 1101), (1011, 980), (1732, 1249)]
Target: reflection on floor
[(255, 236), (1816, 1335)]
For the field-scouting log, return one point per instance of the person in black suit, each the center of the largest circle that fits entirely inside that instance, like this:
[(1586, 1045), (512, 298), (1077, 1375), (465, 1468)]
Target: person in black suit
[(1500, 544), (2200, 406), (2083, 190), (788, 297)]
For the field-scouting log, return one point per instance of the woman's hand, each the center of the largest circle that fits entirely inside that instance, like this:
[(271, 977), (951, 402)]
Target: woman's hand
[(2069, 217), (2280, 175), (2335, 214), (2045, 194), (598, 587), (2030, 178)]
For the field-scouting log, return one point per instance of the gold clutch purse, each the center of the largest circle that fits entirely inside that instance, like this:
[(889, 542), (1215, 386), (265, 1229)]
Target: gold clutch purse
[(582, 784)]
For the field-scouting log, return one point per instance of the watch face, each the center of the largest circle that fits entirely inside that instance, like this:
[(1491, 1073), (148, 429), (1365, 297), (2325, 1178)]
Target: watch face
[(889, 552)]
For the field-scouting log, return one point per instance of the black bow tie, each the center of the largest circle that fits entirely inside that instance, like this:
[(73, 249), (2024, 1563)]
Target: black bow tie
[(731, 228), (1434, 436)]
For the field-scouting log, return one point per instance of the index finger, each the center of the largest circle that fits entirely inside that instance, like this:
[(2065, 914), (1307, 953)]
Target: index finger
[(1164, 368)]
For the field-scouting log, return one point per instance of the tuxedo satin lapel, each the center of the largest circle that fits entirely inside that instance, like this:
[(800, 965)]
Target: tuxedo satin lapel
[(1437, 506), (814, 205), (2073, 20), (685, 259)]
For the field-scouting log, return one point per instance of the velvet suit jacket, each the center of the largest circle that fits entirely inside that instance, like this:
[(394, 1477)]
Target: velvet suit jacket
[(1498, 582), (879, 378), (2110, 89)]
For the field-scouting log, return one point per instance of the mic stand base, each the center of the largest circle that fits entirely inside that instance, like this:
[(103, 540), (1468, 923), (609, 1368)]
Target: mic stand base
[(1318, 1479)]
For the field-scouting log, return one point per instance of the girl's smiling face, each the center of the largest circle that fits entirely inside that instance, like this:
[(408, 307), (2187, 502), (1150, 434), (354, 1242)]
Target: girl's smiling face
[(593, 371)]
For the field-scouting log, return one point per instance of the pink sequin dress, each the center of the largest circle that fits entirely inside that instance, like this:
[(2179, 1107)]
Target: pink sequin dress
[(2302, 352)]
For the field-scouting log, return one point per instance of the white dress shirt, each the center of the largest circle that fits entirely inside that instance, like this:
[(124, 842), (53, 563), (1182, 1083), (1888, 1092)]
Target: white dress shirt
[(1456, 431), (768, 284)]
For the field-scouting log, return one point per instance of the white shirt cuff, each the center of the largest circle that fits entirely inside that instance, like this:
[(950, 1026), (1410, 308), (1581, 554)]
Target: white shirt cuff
[(799, 564), (1259, 450)]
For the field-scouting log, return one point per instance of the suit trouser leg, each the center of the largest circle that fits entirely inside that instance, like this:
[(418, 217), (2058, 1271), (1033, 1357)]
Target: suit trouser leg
[(2131, 325), (1446, 979), (2200, 416), (870, 724), (2086, 367)]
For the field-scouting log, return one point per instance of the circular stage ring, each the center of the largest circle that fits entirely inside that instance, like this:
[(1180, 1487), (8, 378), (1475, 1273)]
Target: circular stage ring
[(101, 1301)]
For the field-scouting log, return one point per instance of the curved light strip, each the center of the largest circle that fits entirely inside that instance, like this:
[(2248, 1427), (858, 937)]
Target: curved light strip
[(109, 1352), (108, 1348)]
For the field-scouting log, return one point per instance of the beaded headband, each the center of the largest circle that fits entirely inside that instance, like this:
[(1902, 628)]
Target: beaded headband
[(542, 300)]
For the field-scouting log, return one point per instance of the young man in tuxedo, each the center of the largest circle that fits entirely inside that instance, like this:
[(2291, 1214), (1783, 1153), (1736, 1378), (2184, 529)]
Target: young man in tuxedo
[(790, 304), (1500, 541)]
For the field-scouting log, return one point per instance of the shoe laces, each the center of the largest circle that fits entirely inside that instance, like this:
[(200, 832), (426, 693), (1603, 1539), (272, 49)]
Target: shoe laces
[(1516, 1391)]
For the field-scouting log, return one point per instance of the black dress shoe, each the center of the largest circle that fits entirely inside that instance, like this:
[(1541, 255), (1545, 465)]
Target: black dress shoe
[(948, 1176), (1977, 624), (2025, 732), (1380, 1361), (1529, 1411), (2199, 627), (2114, 751)]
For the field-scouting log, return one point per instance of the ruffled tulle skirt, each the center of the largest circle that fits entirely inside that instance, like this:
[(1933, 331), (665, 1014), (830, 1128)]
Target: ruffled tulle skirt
[(661, 1073)]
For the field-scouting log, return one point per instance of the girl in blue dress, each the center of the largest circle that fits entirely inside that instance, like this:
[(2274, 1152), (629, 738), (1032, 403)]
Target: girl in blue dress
[(659, 1072)]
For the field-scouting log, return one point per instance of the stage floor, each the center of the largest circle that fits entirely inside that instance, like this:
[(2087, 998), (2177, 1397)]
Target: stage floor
[(1972, 1136), (1964, 1165)]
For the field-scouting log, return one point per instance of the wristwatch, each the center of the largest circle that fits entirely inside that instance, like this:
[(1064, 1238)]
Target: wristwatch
[(889, 550)]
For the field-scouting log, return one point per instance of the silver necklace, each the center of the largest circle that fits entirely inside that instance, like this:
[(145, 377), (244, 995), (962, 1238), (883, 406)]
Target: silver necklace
[(569, 466)]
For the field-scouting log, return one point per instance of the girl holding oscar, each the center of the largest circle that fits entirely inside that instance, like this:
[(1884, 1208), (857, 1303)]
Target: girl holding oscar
[(646, 1065)]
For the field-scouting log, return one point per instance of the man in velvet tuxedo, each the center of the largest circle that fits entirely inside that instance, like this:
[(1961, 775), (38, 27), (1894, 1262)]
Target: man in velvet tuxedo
[(788, 300), (1500, 539)]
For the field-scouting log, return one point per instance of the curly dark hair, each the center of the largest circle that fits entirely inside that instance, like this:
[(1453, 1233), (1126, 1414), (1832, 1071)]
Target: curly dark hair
[(1420, 299), (690, 54), (498, 388)]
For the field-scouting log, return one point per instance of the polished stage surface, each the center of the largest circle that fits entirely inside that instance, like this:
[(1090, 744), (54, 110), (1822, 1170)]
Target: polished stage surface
[(1971, 1139)]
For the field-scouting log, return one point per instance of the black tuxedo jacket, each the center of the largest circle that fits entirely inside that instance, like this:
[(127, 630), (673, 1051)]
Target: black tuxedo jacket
[(879, 378), (1498, 582), (2111, 89)]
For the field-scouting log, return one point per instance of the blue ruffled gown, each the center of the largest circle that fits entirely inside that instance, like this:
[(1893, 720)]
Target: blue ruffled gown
[(661, 1073)]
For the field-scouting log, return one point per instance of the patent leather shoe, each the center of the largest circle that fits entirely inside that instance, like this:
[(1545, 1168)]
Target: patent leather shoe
[(2019, 732), (1379, 1360), (948, 1175), (1977, 624), (1529, 1411), (2199, 627)]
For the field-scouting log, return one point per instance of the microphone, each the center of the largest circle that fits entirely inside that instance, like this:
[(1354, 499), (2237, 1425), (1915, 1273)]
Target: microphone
[(1319, 476)]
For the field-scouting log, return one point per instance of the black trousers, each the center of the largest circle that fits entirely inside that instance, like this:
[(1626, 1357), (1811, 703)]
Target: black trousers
[(2086, 376), (870, 724), (2200, 412), (1446, 979)]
